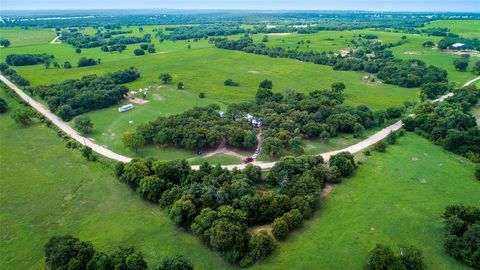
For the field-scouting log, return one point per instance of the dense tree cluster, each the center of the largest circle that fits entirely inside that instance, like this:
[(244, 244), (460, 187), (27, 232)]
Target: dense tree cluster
[(218, 205), (13, 75), (27, 59), (382, 258), (198, 128), (85, 62), (462, 224), (470, 43), (67, 252), (73, 97), (449, 123), (369, 56), (79, 40), (198, 31), (4, 42), (434, 90)]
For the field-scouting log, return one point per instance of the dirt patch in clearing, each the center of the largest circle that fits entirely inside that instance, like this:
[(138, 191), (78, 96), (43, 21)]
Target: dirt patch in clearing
[(422, 180), (267, 228), (344, 52), (279, 34), (414, 158), (413, 52), (253, 72), (137, 100), (325, 191), (157, 97)]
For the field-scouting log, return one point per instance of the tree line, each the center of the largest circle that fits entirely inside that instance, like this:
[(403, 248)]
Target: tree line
[(91, 92), (13, 75), (219, 205), (198, 31), (449, 123), (369, 56), (68, 252), (79, 40), (462, 233), (27, 59)]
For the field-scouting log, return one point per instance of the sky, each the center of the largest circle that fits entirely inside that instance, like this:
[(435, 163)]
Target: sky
[(372, 5)]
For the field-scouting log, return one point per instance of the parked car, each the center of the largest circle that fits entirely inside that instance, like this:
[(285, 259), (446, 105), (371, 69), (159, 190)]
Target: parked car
[(248, 160)]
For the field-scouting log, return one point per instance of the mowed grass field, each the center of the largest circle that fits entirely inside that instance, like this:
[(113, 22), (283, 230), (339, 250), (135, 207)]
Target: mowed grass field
[(49, 190), (204, 68), (394, 198), (464, 28), (27, 37)]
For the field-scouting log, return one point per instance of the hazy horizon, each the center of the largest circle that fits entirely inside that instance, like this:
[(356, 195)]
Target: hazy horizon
[(317, 5)]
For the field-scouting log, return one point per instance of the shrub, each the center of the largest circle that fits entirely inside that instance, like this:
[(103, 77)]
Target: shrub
[(280, 229), (83, 124), (344, 162), (381, 146), (392, 137), (138, 52), (201, 95), (22, 116), (3, 105), (477, 172), (175, 263)]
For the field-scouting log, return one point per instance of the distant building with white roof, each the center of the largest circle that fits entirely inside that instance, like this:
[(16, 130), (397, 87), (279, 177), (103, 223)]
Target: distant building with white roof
[(125, 108)]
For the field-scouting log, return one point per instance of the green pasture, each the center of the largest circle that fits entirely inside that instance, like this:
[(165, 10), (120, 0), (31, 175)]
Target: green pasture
[(394, 198), (49, 190), (464, 28), (26, 37), (324, 40)]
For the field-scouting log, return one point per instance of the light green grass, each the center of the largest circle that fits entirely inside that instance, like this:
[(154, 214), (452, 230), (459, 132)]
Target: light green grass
[(26, 37), (324, 40), (464, 28), (49, 190), (384, 202)]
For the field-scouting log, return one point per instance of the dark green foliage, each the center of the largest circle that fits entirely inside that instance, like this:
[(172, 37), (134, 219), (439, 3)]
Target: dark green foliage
[(461, 63), (477, 172), (67, 65), (428, 44), (392, 137), (463, 233), (393, 112), (88, 153), (73, 97), (175, 263), (380, 146), (476, 68), (383, 258), (138, 52), (180, 86), (85, 62), (3, 106), (449, 123), (4, 42), (201, 95), (406, 73), (266, 84), (100, 261), (165, 78), (344, 162), (218, 205), (67, 252), (433, 90), (128, 258), (80, 40), (22, 116), (280, 229), (230, 82), (199, 31), (83, 124), (27, 59), (260, 246)]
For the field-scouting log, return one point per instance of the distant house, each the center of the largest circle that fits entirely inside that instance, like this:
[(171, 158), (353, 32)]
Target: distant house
[(457, 46), (254, 121), (125, 108), (221, 114)]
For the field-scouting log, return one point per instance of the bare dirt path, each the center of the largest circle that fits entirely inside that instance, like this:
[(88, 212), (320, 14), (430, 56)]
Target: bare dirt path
[(55, 40), (264, 165)]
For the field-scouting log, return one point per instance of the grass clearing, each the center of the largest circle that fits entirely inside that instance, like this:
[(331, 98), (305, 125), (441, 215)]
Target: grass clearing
[(394, 198), (464, 28), (26, 37), (49, 190), (220, 158)]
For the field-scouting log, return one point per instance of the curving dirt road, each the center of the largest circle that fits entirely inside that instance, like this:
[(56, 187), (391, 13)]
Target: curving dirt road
[(264, 165)]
